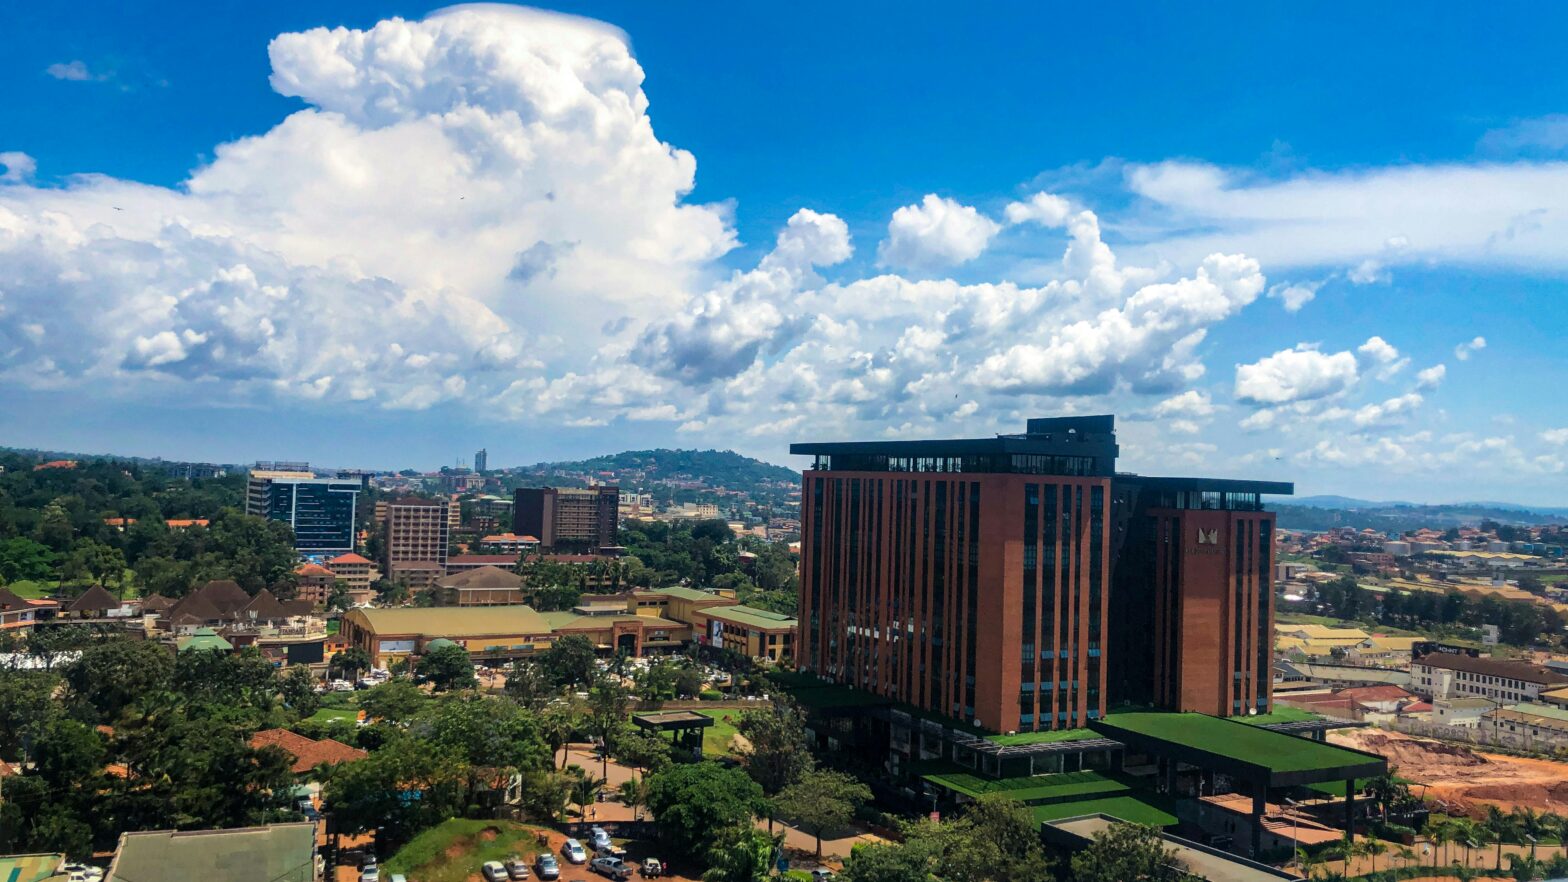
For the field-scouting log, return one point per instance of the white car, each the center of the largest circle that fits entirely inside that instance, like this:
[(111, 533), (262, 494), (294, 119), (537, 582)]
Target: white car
[(493, 871), (574, 852)]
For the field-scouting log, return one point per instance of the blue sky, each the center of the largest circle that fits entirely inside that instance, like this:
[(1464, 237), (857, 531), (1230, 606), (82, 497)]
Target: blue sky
[(1388, 178)]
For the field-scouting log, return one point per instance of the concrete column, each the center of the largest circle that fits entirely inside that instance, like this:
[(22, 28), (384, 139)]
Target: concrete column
[(1259, 805)]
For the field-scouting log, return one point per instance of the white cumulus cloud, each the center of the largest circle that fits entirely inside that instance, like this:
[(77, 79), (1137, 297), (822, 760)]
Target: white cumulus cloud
[(934, 234), (1464, 350), (1300, 374)]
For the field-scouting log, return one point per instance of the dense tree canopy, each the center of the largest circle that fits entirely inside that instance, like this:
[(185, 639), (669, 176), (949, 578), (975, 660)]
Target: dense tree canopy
[(693, 802)]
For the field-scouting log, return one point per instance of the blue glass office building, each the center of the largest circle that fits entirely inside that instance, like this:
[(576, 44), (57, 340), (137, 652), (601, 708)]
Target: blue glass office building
[(321, 510)]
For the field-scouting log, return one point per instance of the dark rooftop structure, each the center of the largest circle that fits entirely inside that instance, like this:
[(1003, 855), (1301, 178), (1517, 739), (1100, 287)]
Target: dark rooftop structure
[(1051, 446)]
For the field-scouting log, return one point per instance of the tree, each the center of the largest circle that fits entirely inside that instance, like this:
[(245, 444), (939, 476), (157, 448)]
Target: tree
[(349, 662), (558, 723), (528, 686), (494, 738), (995, 840), (741, 854), (777, 755), (634, 795), (395, 701), (570, 662), (298, 691), (692, 802), (585, 791), (373, 794), (447, 666), (337, 598), (895, 862), (544, 794), (607, 715), (642, 750), (22, 559), (91, 562), (26, 703), (110, 675), (822, 800), (1127, 853)]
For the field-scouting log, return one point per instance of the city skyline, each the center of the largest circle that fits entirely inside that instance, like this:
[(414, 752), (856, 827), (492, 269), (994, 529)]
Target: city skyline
[(1330, 287)]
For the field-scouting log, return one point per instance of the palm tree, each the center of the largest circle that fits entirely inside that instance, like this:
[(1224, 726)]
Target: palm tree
[(634, 794), (1499, 827), (1405, 855), (1373, 848), (1308, 861), (585, 790), (557, 725)]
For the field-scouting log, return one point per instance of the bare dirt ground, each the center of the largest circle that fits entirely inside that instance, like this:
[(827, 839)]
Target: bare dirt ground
[(1468, 780)]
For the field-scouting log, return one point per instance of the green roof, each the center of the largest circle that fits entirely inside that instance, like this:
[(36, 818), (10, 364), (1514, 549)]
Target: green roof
[(1032, 788), (1280, 714), (750, 616), (1141, 809), (685, 593), (276, 853), (1274, 751), (452, 621), (1055, 736), (30, 867), (203, 638)]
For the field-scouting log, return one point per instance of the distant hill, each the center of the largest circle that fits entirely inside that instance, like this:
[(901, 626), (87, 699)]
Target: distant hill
[(718, 468)]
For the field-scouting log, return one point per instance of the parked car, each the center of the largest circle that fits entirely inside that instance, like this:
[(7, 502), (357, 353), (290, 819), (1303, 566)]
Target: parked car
[(652, 868), (821, 874), (515, 868), (598, 839), (367, 860), (371, 873), (573, 851), (83, 872), (493, 871), (611, 867), (547, 866), (398, 877)]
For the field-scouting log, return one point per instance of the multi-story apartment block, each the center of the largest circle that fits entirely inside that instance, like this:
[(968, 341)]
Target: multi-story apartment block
[(418, 531), (1444, 675), (976, 578), (559, 516)]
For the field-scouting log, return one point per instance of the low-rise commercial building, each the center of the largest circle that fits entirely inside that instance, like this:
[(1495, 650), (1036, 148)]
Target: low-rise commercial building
[(634, 623), (1538, 727), (482, 586), (276, 853)]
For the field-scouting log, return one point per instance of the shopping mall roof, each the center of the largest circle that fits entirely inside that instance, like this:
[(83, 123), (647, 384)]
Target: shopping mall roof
[(1253, 752), (453, 621), (751, 617)]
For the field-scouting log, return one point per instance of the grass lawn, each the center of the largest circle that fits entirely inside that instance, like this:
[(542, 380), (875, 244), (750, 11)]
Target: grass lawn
[(1051, 737), (31, 590), (453, 850), (1280, 714), (716, 738), (1037, 788), (1275, 751), (329, 714), (1147, 809)]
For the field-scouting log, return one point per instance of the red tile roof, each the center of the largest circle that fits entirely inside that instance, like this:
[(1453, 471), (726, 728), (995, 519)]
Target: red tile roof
[(307, 753), (311, 569), (350, 558)]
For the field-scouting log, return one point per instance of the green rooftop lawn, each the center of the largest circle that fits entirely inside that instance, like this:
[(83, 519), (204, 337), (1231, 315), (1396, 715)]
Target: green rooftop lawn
[(1280, 714), (1052, 737), (1134, 809), (1032, 788), (1276, 751)]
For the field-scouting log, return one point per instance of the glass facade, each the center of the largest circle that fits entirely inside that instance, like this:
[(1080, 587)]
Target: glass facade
[(321, 511)]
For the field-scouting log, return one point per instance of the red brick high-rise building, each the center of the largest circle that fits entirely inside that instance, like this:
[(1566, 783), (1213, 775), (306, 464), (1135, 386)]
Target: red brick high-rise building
[(990, 579)]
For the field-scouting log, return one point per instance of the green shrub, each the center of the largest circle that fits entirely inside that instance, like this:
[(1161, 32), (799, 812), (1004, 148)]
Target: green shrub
[(710, 695)]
